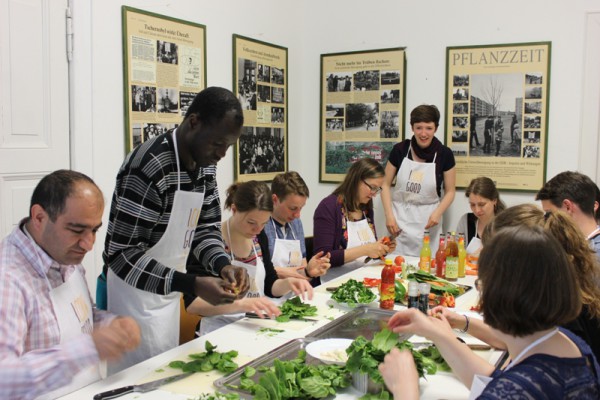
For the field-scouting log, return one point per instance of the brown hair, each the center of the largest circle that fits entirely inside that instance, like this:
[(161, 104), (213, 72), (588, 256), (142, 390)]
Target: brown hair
[(289, 183), (486, 188), (573, 186), (425, 113), (521, 271), (365, 168), (248, 196), (561, 226)]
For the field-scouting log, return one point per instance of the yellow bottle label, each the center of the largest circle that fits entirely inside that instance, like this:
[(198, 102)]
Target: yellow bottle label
[(451, 267), (425, 264)]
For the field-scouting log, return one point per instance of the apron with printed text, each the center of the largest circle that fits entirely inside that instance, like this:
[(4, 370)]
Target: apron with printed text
[(359, 233), (413, 200), (74, 314), (256, 277), (158, 315)]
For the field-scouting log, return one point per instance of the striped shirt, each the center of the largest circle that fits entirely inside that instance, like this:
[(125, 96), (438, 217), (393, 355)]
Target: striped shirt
[(32, 359), (139, 215)]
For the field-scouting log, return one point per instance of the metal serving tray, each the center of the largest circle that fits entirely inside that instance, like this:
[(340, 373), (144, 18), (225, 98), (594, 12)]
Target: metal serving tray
[(362, 321)]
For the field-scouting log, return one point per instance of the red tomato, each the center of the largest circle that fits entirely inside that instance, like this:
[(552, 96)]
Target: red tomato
[(371, 282), (399, 260), (386, 240)]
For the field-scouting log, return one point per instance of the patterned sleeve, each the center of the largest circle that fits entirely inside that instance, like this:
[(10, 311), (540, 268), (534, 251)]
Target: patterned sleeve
[(28, 375), (137, 209)]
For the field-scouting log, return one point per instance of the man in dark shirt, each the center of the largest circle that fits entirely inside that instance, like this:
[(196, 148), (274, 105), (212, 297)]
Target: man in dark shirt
[(164, 224)]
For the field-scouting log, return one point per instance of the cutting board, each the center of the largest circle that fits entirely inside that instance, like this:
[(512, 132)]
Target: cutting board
[(193, 385)]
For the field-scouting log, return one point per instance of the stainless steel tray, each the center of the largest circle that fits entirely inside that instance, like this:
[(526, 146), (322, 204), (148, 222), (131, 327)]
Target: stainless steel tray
[(362, 321)]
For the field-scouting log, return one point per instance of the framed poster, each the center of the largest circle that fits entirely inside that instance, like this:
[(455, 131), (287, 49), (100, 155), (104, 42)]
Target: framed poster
[(261, 83), (164, 69), (497, 101), (362, 108)]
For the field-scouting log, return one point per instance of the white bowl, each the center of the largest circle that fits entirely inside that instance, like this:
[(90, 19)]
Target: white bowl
[(329, 351)]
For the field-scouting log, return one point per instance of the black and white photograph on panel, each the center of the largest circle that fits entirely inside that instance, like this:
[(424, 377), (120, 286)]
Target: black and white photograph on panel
[(390, 96), (390, 77), (334, 124), (261, 150), (334, 110), (277, 76), (247, 83), (362, 117), (263, 74), (143, 98), (264, 94), (185, 101), (497, 100), (366, 80), (277, 95), (389, 125), (168, 100), (339, 82), (166, 52), (277, 115)]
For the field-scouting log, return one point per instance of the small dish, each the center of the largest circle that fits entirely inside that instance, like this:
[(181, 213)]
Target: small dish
[(329, 351)]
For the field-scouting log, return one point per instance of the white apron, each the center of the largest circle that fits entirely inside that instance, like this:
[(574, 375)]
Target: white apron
[(256, 276), (359, 233), (481, 381), (475, 244), (74, 314), (413, 200), (286, 253), (158, 315)]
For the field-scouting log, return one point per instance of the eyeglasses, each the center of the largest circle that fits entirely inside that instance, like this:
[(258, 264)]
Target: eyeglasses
[(373, 189)]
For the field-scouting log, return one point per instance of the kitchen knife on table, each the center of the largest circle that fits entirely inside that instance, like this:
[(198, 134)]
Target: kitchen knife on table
[(143, 388)]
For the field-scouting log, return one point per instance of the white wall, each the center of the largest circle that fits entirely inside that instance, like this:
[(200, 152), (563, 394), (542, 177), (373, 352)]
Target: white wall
[(308, 29)]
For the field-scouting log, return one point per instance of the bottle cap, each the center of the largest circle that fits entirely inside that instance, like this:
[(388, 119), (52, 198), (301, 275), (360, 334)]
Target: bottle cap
[(388, 261), (413, 288), (424, 288)]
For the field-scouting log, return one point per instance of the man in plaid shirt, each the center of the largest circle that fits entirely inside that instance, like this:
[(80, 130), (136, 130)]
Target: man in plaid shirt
[(51, 335)]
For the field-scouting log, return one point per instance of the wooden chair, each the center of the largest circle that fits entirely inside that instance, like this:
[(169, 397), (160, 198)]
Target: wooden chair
[(187, 324)]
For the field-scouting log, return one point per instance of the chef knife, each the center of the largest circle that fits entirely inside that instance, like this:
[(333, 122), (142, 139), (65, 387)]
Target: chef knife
[(143, 388), (255, 316)]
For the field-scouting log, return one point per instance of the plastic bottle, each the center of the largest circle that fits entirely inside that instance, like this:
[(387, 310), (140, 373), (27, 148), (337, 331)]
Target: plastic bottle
[(424, 289), (451, 258), (462, 255), (425, 257), (413, 294), (387, 290), (440, 258)]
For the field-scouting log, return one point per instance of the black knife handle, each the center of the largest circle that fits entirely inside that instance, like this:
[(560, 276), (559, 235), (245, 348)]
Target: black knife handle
[(111, 394)]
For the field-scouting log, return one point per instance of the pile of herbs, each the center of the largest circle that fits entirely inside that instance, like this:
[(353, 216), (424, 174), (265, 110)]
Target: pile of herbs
[(208, 361), (353, 293), (294, 379), (365, 356), (294, 308), (217, 396)]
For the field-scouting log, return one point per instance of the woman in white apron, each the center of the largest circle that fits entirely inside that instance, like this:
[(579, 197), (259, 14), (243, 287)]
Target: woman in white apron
[(545, 362), (343, 221), (251, 206), (485, 203), (420, 166)]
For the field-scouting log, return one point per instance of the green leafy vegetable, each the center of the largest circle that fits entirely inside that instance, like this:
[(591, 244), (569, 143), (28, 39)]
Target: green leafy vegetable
[(294, 308), (217, 396), (353, 293), (438, 285), (295, 379), (208, 361)]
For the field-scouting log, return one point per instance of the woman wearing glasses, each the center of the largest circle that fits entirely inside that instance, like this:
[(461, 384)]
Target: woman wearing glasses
[(420, 165), (343, 221)]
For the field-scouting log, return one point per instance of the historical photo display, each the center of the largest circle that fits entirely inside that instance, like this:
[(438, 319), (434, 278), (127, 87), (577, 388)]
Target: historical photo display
[(164, 69), (497, 113), (362, 108), (260, 83)]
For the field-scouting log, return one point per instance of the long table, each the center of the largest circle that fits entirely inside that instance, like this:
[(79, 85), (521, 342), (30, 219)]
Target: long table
[(251, 338)]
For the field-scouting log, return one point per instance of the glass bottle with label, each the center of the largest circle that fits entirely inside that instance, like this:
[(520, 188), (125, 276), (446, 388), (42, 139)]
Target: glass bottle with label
[(425, 256), (462, 255), (440, 258), (387, 289), (451, 258), (413, 294), (424, 289)]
